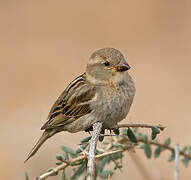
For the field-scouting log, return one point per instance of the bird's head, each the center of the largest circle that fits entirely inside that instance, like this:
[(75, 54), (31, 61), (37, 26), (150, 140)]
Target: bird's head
[(105, 65)]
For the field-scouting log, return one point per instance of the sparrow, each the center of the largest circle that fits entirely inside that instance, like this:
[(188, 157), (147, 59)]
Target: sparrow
[(104, 93)]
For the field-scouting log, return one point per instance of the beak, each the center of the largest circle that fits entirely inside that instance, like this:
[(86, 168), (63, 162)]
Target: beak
[(122, 66)]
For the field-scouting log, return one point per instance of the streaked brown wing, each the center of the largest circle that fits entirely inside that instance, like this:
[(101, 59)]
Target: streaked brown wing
[(71, 104)]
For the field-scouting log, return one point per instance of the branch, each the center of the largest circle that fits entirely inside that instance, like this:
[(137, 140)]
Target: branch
[(92, 150), (64, 165), (96, 133), (136, 126), (165, 147)]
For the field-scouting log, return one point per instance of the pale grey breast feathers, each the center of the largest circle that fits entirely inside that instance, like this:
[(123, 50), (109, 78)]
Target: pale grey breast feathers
[(114, 102), (71, 104)]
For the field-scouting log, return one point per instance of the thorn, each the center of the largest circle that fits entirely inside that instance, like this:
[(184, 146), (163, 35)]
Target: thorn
[(85, 152)]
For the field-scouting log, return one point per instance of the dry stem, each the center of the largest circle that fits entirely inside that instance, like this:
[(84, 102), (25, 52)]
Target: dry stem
[(165, 147)]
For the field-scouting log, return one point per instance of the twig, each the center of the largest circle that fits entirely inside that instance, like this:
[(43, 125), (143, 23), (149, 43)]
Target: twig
[(176, 169), (136, 125), (85, 152), (108, 135), (68, 163), (93, 143), (64, 165), (165, 147)]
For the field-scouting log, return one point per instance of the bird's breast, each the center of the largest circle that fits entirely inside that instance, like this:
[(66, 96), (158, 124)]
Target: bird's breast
[(113, 102)]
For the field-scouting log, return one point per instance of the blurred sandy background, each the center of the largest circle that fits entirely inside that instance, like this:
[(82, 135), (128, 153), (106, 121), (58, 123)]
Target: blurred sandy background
[(45, 44)]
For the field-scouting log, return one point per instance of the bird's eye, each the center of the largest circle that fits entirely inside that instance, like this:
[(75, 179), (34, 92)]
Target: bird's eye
[(106, 63)]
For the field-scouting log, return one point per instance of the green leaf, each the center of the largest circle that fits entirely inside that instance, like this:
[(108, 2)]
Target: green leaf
[(79, 171), (157, 152), (116, 145), (184, 149), (131, 135), (98, 152), (161, 128), (167, 141), (185, 161), (189, 150), (172, 157), (101, 138), (142, 146), (69, 150), (143, 137), (148, 151), (78, 150), (105, 174), (65, 155), (124, 131), (116, 131), (64, 177), (103, 161), (102, 131), (86, 139), (116, 156), (58, 163), (26, 176), (154, 133), (60, 158), (105, 142)]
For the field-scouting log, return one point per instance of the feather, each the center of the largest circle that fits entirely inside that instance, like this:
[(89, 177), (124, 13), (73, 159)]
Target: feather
[(72, 103)]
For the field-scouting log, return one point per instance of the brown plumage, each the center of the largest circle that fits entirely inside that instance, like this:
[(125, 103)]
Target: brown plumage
[(69, 105), (104, 93)]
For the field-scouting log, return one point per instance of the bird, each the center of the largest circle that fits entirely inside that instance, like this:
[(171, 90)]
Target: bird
[(104, 93)]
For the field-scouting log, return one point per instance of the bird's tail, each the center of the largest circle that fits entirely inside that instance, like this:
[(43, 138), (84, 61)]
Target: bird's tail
[(46, 134)]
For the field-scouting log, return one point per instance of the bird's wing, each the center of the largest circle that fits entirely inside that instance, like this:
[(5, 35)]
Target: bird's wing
[(72, 103)]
